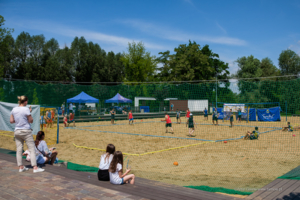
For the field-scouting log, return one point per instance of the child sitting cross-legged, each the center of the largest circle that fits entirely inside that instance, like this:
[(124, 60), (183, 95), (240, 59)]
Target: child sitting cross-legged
[(116, 174)]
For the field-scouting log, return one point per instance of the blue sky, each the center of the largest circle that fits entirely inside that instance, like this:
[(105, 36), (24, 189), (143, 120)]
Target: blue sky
[(231, 28)]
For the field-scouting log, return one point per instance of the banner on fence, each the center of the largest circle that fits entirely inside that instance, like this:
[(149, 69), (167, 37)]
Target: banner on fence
[(5, 112), (269, 114), (234, 106)]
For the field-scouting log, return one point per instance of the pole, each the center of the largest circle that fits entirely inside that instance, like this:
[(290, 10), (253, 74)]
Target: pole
[(285, 110), (57, 139), (216, 92)]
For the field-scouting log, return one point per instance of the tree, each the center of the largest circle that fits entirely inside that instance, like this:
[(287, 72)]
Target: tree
[(289, 62), (6, 48), (22, 53), (190, 62), (35, 99), (139, 65)]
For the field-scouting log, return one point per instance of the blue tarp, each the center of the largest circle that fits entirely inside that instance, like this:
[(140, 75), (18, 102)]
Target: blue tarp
[(146, 108), (118, 99), (83, 98), (252, 114), (269, 114)]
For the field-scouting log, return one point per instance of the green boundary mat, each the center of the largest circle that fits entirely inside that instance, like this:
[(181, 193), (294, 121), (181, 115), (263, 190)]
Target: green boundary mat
[(293, 174), (219, 189)]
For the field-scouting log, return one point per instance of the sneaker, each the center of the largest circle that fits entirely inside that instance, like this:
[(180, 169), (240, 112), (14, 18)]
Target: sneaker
[(38, 170), (23, 170)]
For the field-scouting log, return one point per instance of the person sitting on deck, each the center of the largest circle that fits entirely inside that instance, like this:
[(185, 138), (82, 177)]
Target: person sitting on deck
[(252, 136), (105, 160), (43, 153), (116, 174)]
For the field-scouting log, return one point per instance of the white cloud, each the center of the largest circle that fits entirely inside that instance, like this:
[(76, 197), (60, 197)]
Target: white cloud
[(176, 35), (220, 27), (60, 29)]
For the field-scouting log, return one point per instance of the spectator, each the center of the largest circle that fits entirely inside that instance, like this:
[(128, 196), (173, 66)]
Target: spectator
[(21, 116), (105, 160), (116, 175), (63, 108), (43, 153), (112, 112), (172, 106)]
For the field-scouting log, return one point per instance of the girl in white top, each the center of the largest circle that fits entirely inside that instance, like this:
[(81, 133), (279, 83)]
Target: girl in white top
[(116, 171), (105, 161), (21, 116)]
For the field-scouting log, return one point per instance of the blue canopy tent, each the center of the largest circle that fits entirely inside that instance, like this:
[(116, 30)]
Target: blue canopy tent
[(118, 99), (83, 98)]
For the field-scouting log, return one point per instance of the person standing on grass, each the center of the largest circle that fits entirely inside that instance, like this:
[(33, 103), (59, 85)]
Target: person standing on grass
[(130, 117), (178, 116), (205, 114), (168, 123), (21, 116), (239, 115), (231, 118), (112, 113), (116, 175), (192, 125)]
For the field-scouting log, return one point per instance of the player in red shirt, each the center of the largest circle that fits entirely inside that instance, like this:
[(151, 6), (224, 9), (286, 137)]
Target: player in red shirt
[(130, 117), (188, 112), (66, 121), (71, 119), (168, 123)]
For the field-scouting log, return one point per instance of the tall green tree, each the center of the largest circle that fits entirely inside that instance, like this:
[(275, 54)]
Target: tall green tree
[(139, 65), (6, 48), (289, 62), (22, 53), (191, 62)]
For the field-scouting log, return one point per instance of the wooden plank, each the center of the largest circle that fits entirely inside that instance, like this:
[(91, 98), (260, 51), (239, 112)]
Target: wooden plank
[(272, 189), (144, 188), (285, 189), (260, 191), (288, 190)]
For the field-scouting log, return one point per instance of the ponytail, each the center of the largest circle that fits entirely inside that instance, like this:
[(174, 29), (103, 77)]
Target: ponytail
[(22, 99)]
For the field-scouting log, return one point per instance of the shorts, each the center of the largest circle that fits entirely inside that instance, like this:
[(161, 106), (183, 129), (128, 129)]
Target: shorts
[(215, 118), (240, 117), (49, 121), (191, 125), (290, 130), (205, 115), (71, 121), (169, 125), (43, 122), (252, 137), (122, 181), (177, 117), (40, 159), (131, 119), (112, 116), (103, 175), (231, 119)]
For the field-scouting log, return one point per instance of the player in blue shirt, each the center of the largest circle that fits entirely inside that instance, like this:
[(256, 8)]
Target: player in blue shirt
[(231, 118), (239, 115), (178, 116), (205, 114)]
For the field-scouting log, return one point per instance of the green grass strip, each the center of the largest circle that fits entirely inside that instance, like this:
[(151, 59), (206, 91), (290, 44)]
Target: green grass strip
[(219, 189)]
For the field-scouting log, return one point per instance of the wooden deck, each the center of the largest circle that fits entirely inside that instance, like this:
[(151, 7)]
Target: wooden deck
[(279, 189), (142, 189)]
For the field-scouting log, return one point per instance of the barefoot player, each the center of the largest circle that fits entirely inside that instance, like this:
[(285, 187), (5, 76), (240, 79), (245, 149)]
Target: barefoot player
[(168, 123), (130, 117)]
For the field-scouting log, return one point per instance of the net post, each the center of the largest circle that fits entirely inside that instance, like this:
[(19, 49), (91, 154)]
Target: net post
[(57, 138), (286, 110)]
